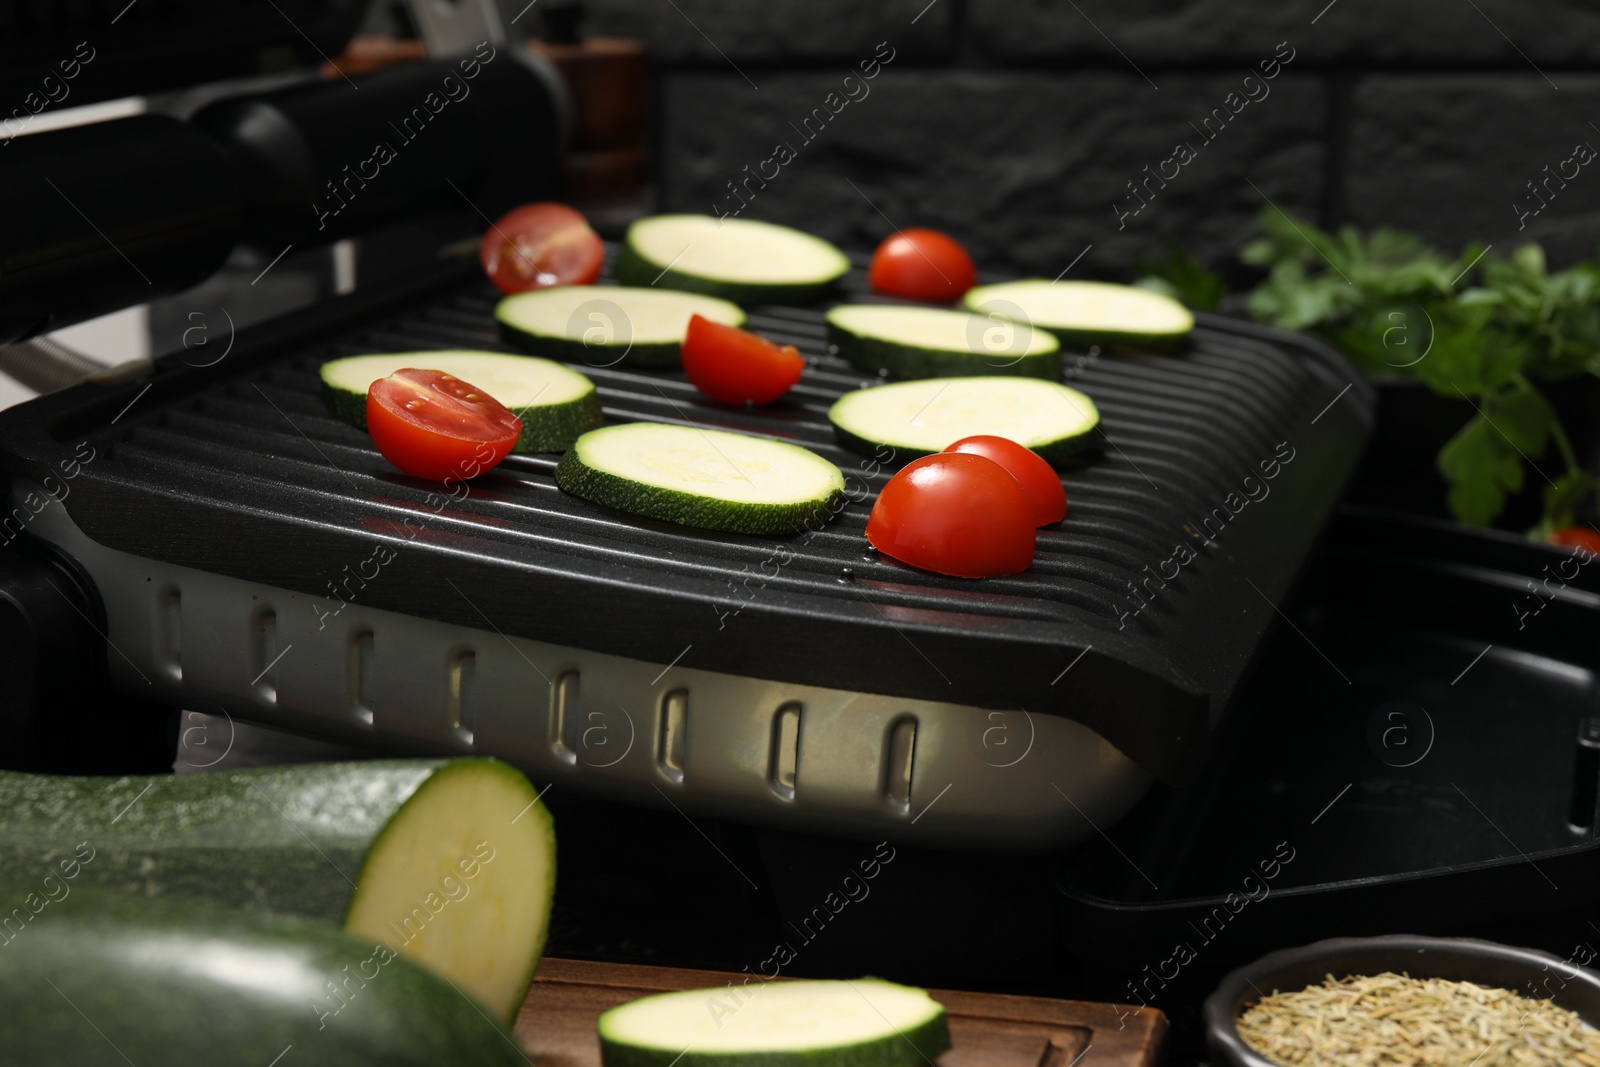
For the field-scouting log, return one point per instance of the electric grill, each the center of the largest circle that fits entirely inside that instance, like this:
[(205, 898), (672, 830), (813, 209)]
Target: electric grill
[(233, 543), (232, 529)]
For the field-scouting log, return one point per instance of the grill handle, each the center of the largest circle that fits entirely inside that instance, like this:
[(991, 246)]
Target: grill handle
[(325, 161), (105, 216)]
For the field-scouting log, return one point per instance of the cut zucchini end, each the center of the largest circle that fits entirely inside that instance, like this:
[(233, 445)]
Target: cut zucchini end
[(461, 879), (863, 1023), (741, 260), (918, 418), (555, 403), (922, 342), (1089, 312), (709, 479)]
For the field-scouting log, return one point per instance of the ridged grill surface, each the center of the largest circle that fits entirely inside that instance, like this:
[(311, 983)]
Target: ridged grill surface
[(258, 446)]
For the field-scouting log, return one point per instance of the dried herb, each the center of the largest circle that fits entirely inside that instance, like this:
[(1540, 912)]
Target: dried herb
[(1394, 1020)]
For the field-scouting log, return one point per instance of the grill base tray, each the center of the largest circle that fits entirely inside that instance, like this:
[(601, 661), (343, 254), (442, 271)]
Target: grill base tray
[(770, 753)]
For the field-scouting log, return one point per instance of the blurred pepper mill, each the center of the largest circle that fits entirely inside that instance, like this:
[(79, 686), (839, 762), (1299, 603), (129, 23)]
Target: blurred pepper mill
[(608, 166)]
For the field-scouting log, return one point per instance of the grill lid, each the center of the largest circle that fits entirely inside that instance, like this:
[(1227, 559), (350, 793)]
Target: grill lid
[(1139, 618)]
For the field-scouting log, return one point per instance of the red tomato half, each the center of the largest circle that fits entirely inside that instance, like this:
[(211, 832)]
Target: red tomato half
[(1038, 479), (734, 366), (434, 425), (1576, 537), (922, 265), (957, 514), (536, 246)]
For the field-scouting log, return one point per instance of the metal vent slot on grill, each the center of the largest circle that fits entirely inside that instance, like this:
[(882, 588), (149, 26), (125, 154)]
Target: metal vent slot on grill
[(784, 763), (671, 736), (169, 628), (361, 675), (463, 668), (265, 654), (564, 717), (899, 756)]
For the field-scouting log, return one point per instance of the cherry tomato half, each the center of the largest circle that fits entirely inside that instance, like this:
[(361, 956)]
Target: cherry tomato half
[(539, 245), (954, 513), (922, 264), (436, 426), (1038, 479), (733, 366), (1577, 537)]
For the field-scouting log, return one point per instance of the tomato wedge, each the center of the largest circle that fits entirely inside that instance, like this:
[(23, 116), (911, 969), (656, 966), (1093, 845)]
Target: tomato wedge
[(920, 264), (1037, 478), (434, 425), (1577, 537), (955, 513), (734, 366), (539, 245)]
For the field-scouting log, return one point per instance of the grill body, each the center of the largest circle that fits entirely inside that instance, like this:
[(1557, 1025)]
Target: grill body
[(255, 552)]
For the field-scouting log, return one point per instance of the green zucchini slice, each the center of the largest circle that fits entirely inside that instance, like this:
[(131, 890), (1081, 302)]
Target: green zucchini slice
[(1088, 312), (604, 325), (922, 417), (451, 863), (918, 342), (741, 260), (862, 1023), (555, 404), (707, 478)]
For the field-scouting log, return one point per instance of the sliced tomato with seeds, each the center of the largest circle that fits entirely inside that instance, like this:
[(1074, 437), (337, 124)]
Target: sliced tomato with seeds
[(734, 366), (1038, 479), (955, 513), (539, 245), (434, 425)]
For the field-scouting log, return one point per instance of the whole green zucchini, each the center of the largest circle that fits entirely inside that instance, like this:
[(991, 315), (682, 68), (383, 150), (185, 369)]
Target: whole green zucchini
[(448, 862), (97, 977)]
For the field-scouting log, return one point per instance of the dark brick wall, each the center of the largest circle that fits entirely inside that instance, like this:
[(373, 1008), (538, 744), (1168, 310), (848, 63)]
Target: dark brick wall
[(1018, 124)]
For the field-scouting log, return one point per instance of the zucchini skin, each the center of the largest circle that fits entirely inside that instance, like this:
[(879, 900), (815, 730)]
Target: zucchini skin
[(184, 982), (575, 352), (926, 1042), (1061, 452), (909, 361), (633, 269), (575, 476), (226, 836), (914, 1047), (1106, 337), (1119, 340), (552, 429)]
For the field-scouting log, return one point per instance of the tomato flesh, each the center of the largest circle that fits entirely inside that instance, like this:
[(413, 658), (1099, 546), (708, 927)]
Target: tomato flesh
[(734, 366), (955, 513), (539, 245), (1577, 537), (920, 264), (434, 425), (1037, 478)]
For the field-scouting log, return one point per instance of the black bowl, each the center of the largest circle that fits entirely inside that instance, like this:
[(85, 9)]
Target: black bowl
[(1538, 975)]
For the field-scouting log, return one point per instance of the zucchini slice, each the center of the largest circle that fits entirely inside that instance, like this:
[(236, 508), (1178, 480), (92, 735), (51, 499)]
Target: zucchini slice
[(864, 1023), (448, 862), (921, 417), (91, 976), (741, 260), (1088, 312), (555, 404), (603, 325), (917, 342), (707, 478)]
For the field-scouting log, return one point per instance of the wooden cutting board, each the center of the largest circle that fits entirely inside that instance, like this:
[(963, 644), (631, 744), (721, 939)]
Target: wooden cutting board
[(557, 1022)]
